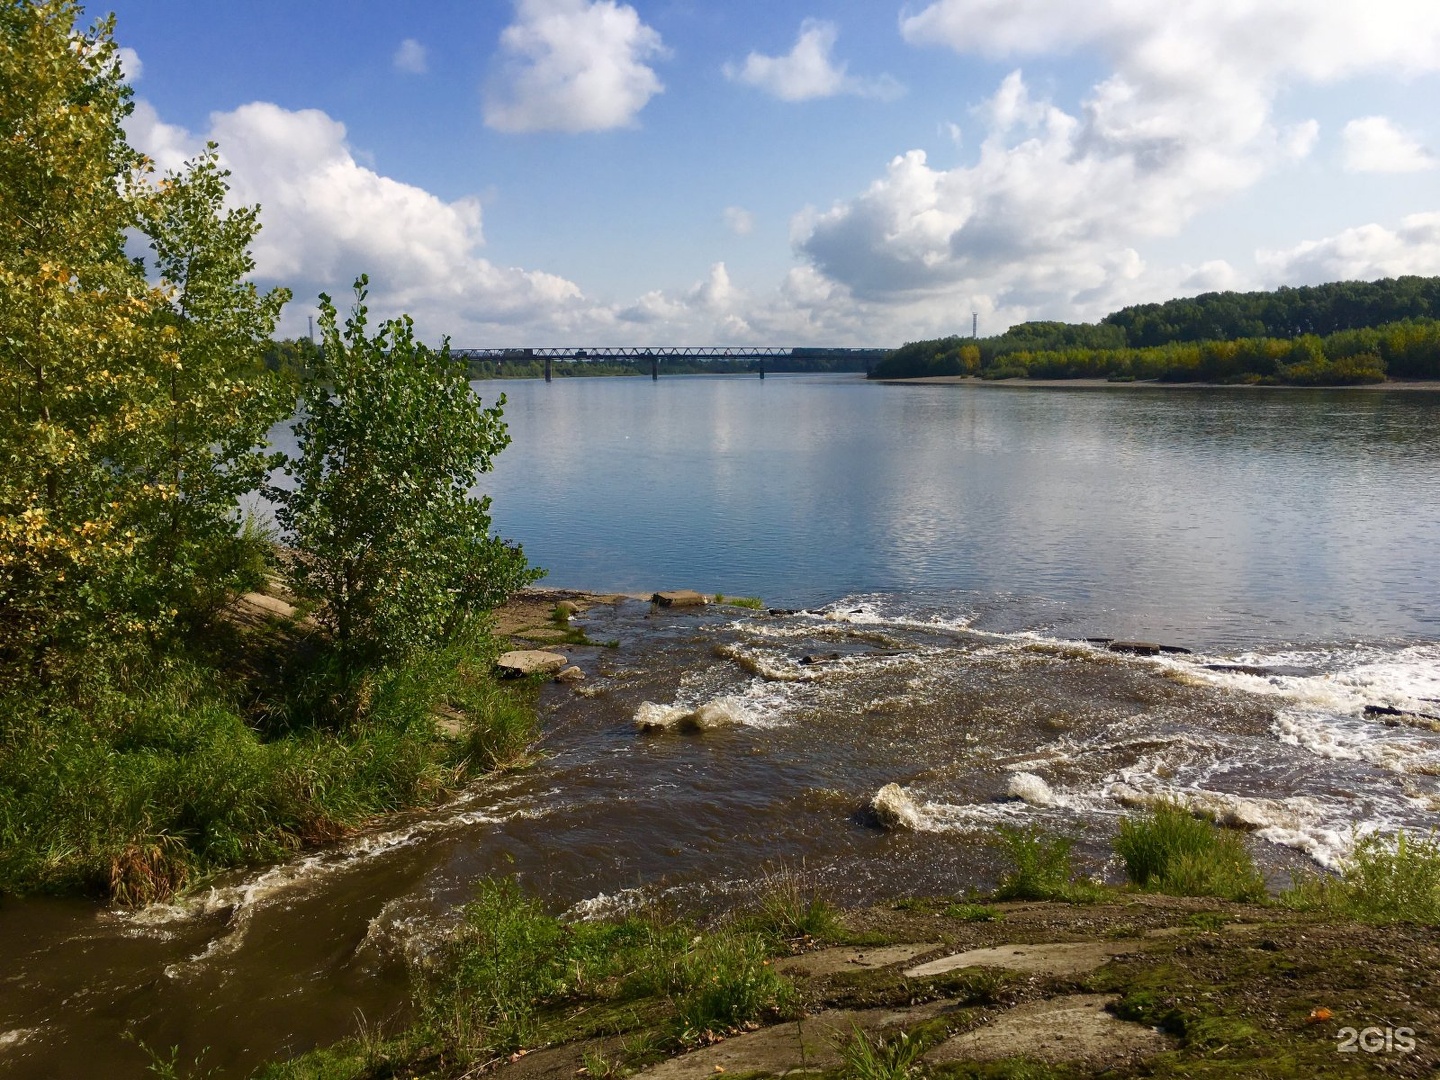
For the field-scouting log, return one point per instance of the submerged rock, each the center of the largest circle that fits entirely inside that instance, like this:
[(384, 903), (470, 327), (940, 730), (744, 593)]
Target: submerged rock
[(1031, 789), (894, 808), (523, 662), (570, 674), (722, 712)]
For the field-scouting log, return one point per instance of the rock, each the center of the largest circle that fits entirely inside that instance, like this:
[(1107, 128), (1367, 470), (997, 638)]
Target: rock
[(1135, 648), (529, 662), (1175, 649), (570, 674), (678, 598), (894, 808), (782, 611), (825, 659)]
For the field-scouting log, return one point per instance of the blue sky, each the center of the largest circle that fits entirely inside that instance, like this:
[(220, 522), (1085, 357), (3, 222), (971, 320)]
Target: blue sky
[(677, 171)]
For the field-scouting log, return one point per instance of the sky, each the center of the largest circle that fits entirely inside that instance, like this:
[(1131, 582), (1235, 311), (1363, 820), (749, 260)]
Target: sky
[(769, 172)]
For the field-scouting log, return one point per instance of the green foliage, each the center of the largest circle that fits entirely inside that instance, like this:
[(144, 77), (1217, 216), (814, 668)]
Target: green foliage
[(133, 413), (875, 1057), (390, 539), (502, 975), (1385, 880), (1040, 868), (135, 794), (1169, 850), (791, 907), (973, 913)]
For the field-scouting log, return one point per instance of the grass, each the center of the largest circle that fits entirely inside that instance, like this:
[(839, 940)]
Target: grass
[(740, 601), (1169, 850), (790, 908), (1383, 881), (512, 978), (1041, 868), (137, 792), (974, 913), (875, 1057)]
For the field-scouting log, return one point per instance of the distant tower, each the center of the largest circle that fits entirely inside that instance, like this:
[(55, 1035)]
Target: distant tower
[(974, 324)]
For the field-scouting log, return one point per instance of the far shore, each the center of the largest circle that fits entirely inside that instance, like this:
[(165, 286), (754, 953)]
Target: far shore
[(972, 380)]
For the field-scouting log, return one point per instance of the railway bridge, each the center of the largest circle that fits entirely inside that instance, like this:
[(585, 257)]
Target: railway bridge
[(794, 357)]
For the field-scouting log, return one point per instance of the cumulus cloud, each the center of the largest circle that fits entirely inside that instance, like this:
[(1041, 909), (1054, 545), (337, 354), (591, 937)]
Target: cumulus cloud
[(808, 71), (1360, 254), (411, 58), (130, 66), (739, 220), (573, 65), (1374, 144), (1048, 218), (327, 218)]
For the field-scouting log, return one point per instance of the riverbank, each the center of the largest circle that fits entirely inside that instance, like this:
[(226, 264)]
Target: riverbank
[(972, 380), (1110, 982)]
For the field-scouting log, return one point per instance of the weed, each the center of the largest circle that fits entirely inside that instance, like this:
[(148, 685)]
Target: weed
[(726, 980), (597, 1067), (1383, 881), (753, 602), (874, 1057), (790, 907), (1041, 868), (1168, 850)]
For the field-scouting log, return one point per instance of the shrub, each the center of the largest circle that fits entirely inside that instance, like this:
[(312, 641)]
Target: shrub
[(1169, 850), (1041, 868), (1384, 880)]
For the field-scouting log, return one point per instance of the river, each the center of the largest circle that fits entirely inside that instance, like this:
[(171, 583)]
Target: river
[(944, 551)]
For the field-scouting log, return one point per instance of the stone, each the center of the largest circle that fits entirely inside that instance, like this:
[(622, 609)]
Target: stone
[(1135, 648), (529, 662), (570, 674), (678, 598)]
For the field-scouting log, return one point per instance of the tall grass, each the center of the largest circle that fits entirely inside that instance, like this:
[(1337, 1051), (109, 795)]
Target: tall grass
[(1041, 868), (874, 1057), (1167, 849), (510, 970), (1385, 880), (134, 792)]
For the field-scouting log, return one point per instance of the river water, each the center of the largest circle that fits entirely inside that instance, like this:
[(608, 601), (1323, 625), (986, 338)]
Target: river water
[(944, 551)]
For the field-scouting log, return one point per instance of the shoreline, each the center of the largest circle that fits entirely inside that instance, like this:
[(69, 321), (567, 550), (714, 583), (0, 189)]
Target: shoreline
[(1090, 384)]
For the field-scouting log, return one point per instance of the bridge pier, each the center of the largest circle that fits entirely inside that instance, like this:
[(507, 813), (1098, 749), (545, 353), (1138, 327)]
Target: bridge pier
[(547, 369), (762, 369), (654, 369)]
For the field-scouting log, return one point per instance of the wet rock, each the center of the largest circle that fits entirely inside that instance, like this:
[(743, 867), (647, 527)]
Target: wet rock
[(678, 598), (522, 662), (570, 674), (826, 658), (782, 611), (1135, 648), (894, 808)]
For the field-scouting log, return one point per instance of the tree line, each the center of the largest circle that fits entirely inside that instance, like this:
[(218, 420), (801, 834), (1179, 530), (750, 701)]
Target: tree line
[(1251, 337)]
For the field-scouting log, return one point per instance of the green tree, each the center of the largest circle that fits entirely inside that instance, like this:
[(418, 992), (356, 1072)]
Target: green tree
[(387, 532), (216, 398), (74, 317)]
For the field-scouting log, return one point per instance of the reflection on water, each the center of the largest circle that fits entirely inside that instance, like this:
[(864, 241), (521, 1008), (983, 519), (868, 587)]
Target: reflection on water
[(953, 544), (1214, 515)]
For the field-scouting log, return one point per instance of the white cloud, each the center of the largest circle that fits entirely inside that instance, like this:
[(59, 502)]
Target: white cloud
[(739, 220), (1374, 144), (1360, 254), (807, 70), (573, 65), (130, 66), (411, 58), (1048, 218)]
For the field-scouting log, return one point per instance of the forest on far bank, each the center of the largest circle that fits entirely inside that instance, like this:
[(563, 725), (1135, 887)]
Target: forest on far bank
[(1343, 333)]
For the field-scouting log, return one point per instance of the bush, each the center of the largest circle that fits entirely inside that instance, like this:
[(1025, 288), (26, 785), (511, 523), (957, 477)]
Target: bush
[(1383, 881), (1169, 850), (1041, 868)]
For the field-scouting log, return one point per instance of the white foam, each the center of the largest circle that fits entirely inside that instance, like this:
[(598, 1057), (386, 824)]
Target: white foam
[(869, 613), (1031, 789), (15, 1036), (758, 707), (604, 905), (1343, 738)]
